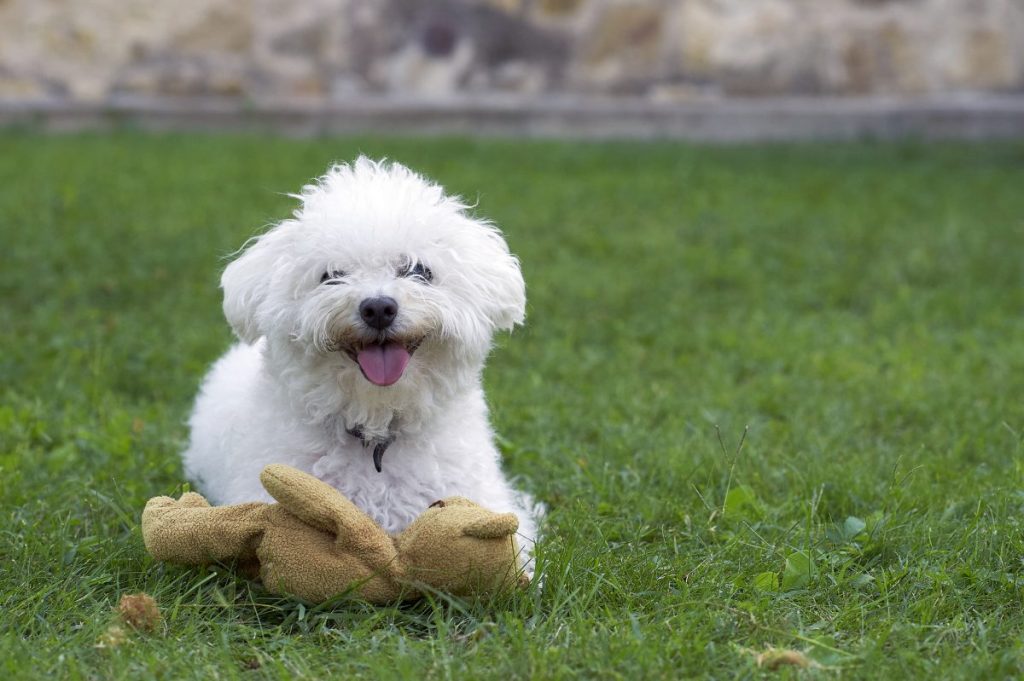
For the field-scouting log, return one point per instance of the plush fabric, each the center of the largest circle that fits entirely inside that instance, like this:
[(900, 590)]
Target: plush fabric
[(314, 543)]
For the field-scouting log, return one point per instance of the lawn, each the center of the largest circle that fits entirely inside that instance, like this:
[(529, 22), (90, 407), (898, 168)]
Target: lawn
[(856, 311)]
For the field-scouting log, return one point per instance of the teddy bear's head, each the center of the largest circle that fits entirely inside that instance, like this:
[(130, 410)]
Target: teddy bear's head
[(461, 548)]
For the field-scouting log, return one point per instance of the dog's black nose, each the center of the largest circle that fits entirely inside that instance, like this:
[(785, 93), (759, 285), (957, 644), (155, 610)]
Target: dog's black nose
[(378, 313)]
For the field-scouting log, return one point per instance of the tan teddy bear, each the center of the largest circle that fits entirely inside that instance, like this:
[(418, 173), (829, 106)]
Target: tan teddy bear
[(314, 543)]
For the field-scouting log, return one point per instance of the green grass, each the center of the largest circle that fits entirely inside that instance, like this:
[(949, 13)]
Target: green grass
[(859, 307)]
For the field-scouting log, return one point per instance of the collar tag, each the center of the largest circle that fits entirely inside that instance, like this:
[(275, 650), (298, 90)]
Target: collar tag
[(379, 445)]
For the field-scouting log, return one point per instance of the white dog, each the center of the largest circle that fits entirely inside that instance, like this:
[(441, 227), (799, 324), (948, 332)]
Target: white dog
[(365, 322)]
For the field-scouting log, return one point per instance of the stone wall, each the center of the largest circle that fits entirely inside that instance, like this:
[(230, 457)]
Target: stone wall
[(270, 50)]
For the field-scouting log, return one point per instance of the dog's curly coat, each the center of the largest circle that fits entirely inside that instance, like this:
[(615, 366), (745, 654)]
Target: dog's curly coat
[(365, 321)]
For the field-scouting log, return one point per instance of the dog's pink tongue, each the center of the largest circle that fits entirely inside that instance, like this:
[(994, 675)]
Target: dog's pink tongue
[(383, 364)]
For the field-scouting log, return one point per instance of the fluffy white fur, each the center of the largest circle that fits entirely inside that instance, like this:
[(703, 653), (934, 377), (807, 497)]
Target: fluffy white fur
[(289, 393)]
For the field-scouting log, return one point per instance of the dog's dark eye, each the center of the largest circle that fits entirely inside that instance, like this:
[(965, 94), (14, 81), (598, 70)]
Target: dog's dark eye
[(332, 278), (419, 270)]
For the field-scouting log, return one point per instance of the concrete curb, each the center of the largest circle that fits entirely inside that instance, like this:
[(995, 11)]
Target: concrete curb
[(729, 120)]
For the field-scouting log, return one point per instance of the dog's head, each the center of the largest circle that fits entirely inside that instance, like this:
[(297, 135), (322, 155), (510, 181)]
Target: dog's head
[(379, 273)]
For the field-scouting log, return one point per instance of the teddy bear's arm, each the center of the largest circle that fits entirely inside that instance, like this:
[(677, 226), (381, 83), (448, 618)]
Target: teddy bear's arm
[(319, 505)]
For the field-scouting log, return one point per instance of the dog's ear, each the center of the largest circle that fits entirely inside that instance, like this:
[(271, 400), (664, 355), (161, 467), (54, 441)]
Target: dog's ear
[(497, 273), (246, 281), (510, 304)]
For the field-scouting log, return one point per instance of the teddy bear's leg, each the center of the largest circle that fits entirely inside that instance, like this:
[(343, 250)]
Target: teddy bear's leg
[(190, 532)]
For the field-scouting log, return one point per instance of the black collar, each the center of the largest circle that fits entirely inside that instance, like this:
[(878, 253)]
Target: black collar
[(379, 445)]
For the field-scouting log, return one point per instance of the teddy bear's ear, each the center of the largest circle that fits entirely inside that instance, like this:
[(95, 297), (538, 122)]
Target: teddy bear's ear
[(492, 526)]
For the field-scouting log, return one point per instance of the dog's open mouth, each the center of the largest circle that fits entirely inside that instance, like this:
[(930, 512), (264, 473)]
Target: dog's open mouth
[(384, 363)]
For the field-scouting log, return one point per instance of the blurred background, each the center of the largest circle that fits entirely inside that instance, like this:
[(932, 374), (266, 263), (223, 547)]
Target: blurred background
[(316, 55)]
